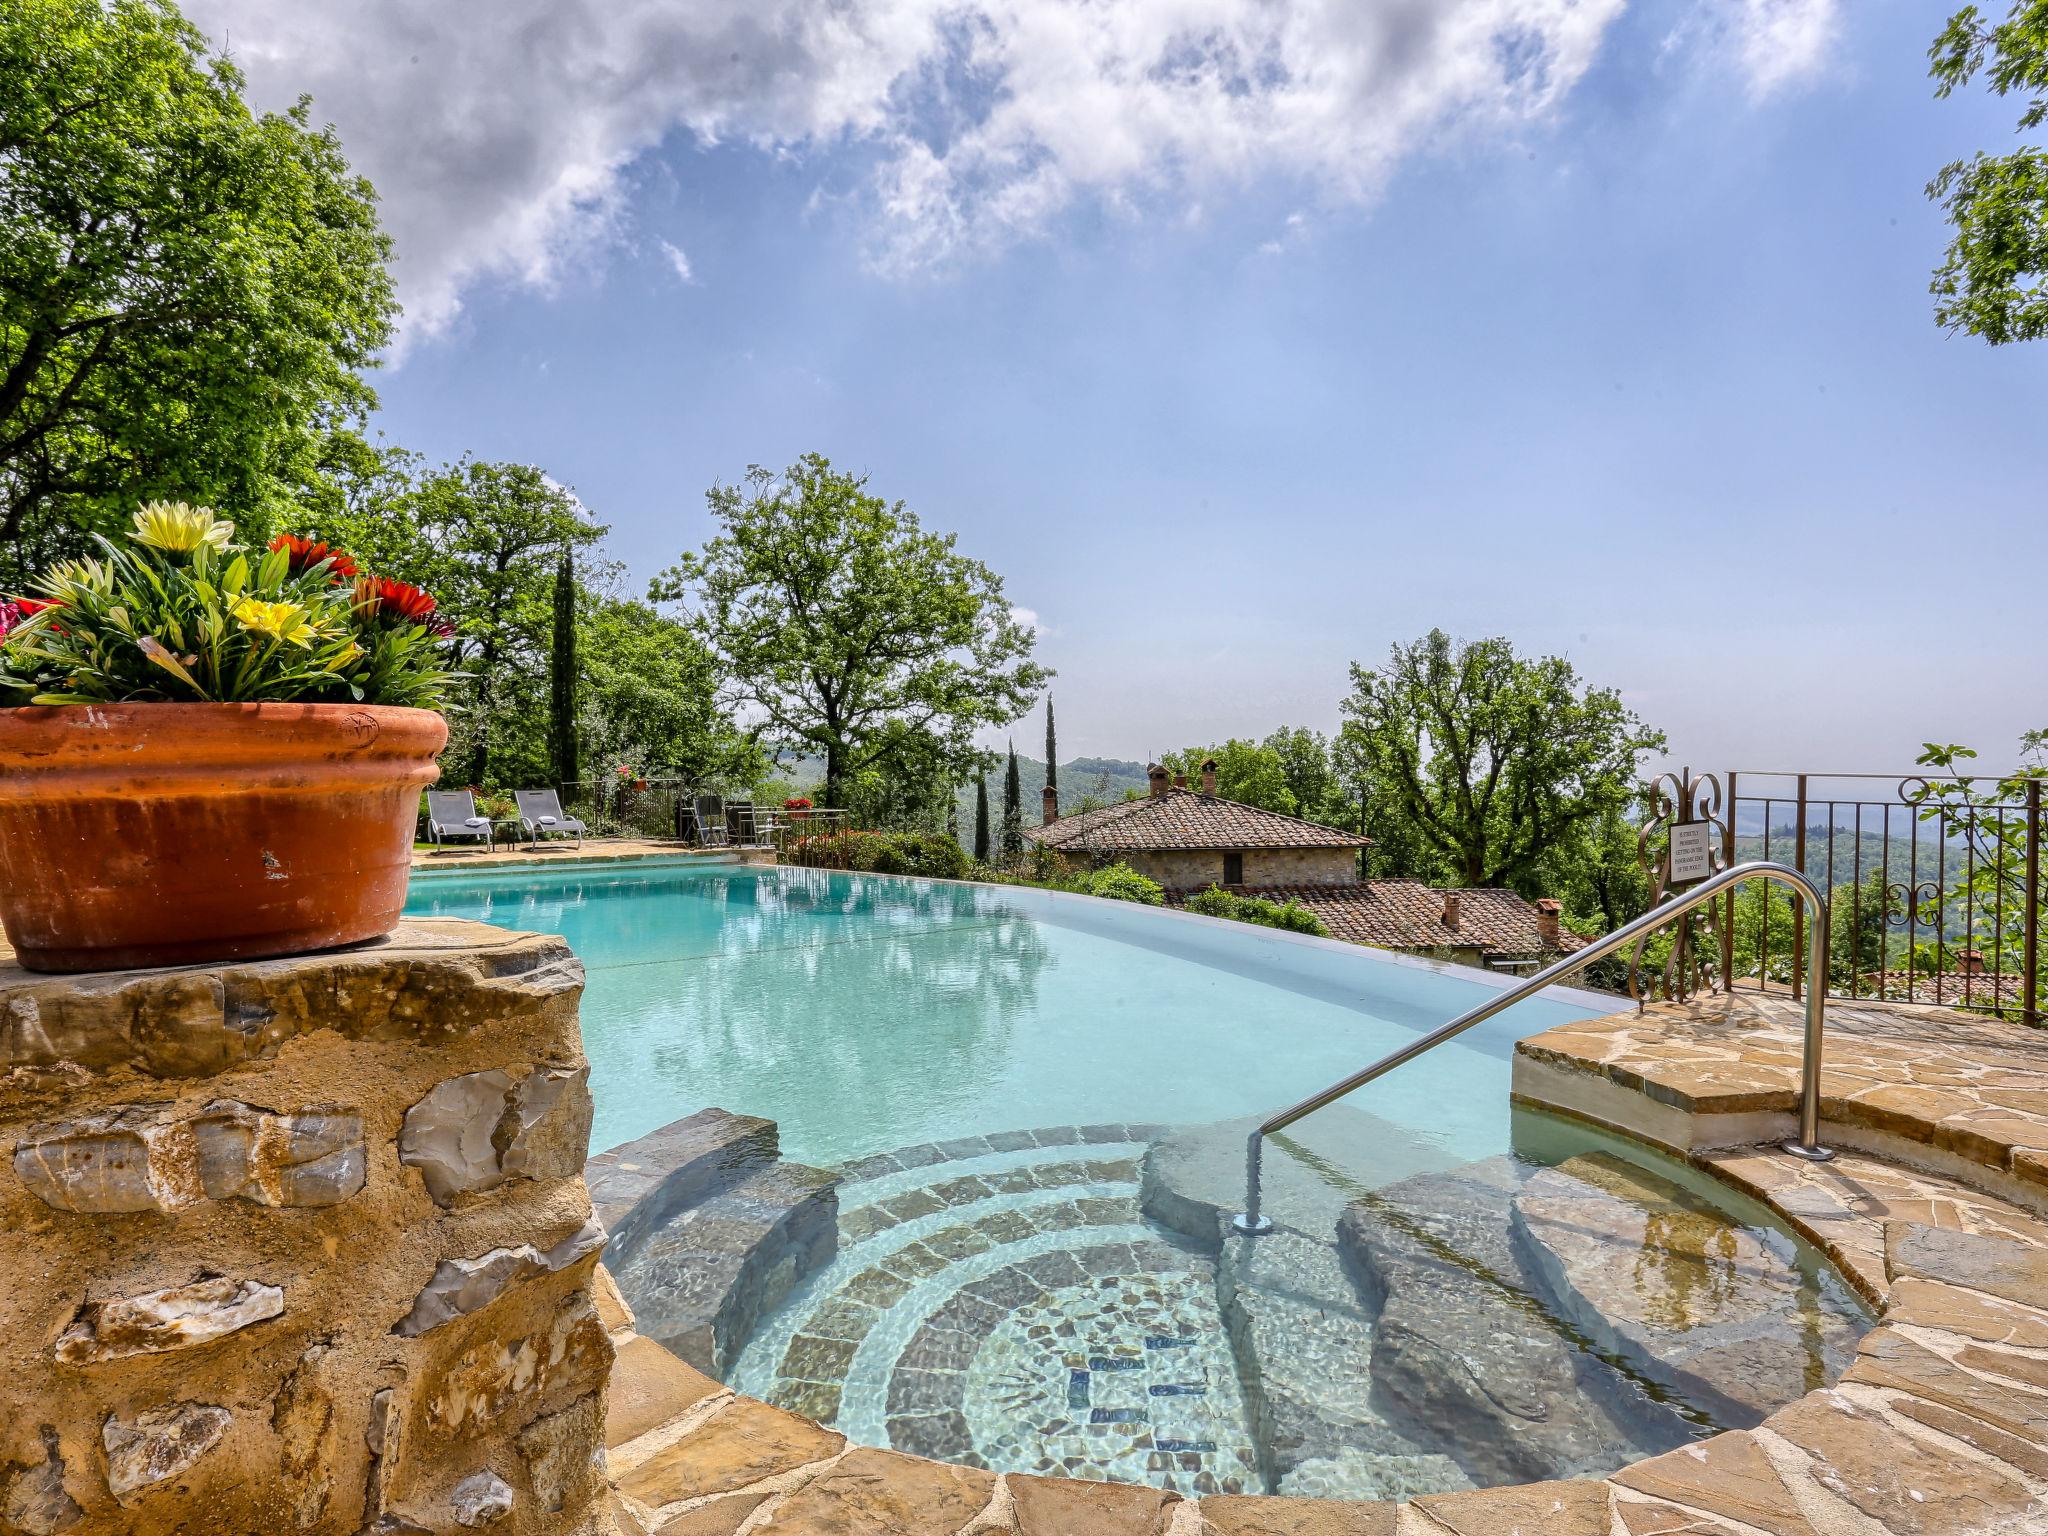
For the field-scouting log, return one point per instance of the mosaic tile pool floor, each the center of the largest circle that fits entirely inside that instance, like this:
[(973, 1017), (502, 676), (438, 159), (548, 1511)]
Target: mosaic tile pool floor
[(1001, 1302)]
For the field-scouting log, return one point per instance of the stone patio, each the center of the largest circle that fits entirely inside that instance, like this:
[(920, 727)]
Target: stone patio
[(1939, 1426)]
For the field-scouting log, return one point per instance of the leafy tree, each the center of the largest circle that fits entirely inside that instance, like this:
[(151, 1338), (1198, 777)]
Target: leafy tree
[(1246, 772), (911, 792), (188, 291), (1312, 778), (497, 532), (1991, 284), (648, 695), (981, 848), (1052, 749), (1013, 809), (562, 674), (1488, 759), (834, 615)]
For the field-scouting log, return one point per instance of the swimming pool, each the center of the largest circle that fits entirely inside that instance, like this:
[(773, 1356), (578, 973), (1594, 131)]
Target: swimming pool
[(1033, 1107)]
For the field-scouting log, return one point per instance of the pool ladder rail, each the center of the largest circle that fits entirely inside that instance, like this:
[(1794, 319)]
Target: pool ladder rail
[(1253, 1223)]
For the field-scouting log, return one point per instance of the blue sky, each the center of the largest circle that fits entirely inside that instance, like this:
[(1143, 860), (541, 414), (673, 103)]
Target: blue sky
[(1634, 364)]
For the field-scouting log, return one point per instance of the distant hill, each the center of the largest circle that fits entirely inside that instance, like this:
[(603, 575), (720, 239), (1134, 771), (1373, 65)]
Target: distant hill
[(1106, 780)]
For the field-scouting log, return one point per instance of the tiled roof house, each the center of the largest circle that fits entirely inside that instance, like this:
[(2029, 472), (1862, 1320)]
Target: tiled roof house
[(1189, 840)]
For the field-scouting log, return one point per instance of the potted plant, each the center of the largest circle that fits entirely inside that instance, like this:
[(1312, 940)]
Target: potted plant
[(798, 806), (210, 752)]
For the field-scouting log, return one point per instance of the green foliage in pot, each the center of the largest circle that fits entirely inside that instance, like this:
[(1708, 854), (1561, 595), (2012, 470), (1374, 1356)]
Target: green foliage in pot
[(179, 612)]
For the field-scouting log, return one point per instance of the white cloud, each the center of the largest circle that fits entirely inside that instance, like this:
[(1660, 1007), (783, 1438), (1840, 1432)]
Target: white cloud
[(499, 134), (678, 261), (1779, 42)]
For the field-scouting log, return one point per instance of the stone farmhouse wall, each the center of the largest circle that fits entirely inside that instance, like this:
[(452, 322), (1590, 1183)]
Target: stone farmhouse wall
[(301, 1245), (1195, 869)]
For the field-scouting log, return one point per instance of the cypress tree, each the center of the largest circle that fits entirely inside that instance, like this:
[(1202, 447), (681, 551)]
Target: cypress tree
[(1013, 808), (981, 819), (562, 675), (1052, 750)]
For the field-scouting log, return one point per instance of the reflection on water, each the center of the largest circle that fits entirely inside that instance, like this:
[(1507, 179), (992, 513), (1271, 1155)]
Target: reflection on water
[(864, 1012)]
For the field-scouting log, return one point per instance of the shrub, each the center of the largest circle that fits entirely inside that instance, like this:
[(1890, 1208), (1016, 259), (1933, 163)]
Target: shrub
[(925, 855), (1120, 882), (1290, 915)]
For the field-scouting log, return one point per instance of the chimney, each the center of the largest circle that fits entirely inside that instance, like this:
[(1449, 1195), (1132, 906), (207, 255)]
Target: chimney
[(1549, 911), (1209, 776), (1052, 805), (1156, 777), (1180, 781), (1450, 909), (1970, 963)]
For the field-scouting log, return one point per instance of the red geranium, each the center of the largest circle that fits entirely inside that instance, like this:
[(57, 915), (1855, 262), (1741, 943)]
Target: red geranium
[(304, 554), (33, 605)]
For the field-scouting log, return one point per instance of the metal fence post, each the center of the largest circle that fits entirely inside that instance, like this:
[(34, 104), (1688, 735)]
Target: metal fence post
[(1798, 904), (2030, 945), (1728, 862)]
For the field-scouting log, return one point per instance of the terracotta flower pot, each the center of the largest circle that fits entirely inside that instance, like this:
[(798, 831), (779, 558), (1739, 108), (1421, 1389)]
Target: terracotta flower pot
[(170, 834)]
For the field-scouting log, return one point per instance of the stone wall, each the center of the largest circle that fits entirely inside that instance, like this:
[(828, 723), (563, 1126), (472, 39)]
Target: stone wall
[(301, 1245), (1197, 869), (1301, 866)]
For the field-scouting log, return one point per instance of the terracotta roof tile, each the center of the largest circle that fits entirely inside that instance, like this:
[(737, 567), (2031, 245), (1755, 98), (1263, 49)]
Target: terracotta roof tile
[(1407, 914), (1181, 818)]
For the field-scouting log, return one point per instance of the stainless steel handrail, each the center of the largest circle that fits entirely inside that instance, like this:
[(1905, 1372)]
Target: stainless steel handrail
[(1252, 1223)]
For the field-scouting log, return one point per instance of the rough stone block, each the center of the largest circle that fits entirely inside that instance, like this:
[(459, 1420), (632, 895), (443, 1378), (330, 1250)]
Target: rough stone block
[(499, 1380), (475, 1131), (462, 1286), (128, 1160), (158, 1444), (159, 1322), (33, 1498)]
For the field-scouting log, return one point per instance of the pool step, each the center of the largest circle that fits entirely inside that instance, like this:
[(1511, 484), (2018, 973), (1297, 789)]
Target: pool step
[(636, 1187), (699, 1281), (1467, 1348), (1655, 1274), (1001, 1301), (709, 1230)]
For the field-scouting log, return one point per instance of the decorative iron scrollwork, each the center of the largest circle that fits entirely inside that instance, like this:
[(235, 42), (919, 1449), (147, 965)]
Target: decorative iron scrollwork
[(1693, 963)]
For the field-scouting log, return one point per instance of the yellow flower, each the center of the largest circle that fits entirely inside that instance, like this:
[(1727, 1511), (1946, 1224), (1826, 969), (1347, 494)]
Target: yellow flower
[(173, 526), (281, 621)]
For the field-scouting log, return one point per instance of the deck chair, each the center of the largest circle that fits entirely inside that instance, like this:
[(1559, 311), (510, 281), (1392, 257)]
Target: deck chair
[(740, 824), (711, 831), (452, 813), (540, 812)]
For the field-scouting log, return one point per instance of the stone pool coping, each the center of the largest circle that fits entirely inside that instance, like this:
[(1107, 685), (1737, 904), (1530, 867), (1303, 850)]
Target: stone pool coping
[(1940, 1426), (466, 858)]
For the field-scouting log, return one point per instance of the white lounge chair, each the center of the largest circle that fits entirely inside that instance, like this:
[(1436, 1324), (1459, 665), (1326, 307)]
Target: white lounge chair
[(541, 813), (452, 813)]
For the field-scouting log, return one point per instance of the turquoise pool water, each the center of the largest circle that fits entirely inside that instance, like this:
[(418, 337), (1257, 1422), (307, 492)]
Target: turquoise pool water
[(864, 1013), (1034, 1108)]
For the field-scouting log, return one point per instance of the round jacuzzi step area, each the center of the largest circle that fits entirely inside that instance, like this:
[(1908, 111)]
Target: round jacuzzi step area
[(1001, 1301)]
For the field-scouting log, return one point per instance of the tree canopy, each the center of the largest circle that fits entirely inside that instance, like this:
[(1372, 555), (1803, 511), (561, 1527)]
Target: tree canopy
[(1489, 759), (844, 628), (1993, 282), (188, 290)]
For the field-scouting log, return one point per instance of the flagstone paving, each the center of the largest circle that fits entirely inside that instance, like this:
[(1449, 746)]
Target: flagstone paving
[(1938, 1428)]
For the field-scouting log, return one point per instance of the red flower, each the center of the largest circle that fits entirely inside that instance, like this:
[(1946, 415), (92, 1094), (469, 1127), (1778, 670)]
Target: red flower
[(397, 600), (12, 613), (307, 553)]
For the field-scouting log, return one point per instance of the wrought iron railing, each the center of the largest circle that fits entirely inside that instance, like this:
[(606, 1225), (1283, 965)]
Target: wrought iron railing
[(1935, 882)]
